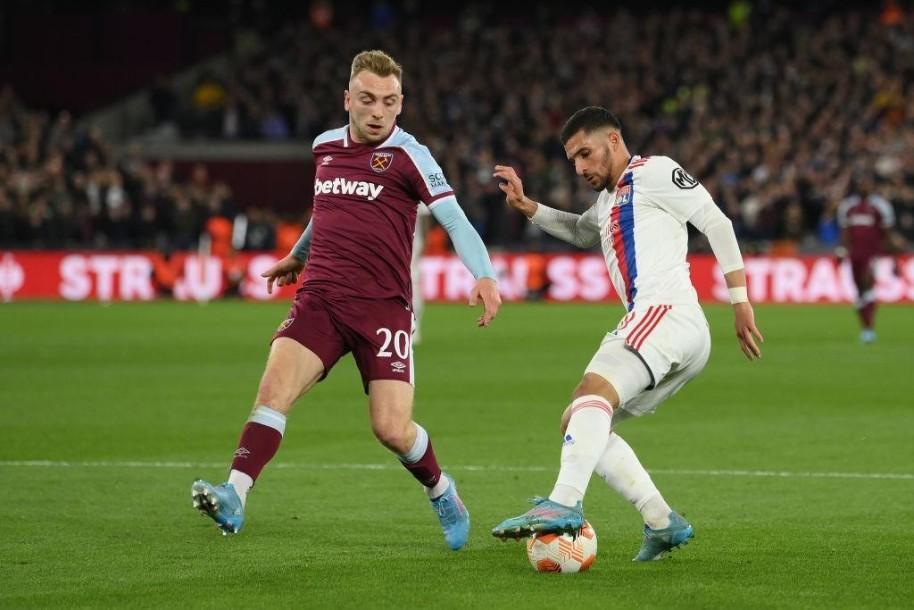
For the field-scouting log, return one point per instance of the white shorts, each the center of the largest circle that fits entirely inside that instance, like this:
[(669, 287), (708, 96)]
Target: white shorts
[(654, 351)]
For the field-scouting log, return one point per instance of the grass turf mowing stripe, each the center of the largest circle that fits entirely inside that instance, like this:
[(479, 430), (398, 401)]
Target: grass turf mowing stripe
[(474, 468)]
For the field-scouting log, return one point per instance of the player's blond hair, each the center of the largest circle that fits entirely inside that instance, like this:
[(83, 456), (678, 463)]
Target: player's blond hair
[(376, 62)]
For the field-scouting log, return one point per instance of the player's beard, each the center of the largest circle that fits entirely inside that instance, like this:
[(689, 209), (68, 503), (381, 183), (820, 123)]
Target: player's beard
[(365, 136), (604, 183)]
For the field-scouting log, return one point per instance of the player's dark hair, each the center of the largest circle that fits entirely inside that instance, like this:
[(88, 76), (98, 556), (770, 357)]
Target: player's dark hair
[(588, 120)]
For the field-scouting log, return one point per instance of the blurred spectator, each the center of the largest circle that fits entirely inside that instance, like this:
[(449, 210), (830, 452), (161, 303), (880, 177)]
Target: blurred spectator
[(165, 273), (219, 230), (261, 232), (233, 269), (204, 117), (288, 230)]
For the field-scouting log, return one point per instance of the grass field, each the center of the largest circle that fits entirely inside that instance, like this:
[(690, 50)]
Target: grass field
[(796, 471)]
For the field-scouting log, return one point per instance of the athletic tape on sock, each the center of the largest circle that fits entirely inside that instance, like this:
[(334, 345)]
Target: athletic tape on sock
[(270, 418), (419, 447)]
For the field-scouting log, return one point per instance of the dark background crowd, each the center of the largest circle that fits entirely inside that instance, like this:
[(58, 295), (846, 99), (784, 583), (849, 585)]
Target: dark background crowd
[(780, 112)]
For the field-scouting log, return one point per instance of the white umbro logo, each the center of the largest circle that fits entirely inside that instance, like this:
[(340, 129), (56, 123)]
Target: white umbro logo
[(327, 160), (241, 452), (398, 367)]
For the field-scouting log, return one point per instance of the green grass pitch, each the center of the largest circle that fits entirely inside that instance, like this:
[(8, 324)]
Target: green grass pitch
[(797, 471)]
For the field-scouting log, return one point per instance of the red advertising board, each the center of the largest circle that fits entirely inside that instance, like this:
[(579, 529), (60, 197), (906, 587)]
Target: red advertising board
[(127, 276)]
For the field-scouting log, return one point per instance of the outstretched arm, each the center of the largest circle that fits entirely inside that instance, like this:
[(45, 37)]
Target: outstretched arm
[(719, 231), (285, 272), (473, 253), (303, 245), (581, 230)]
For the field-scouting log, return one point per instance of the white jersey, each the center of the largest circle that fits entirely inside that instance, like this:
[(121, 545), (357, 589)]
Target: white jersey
[(642, 224)]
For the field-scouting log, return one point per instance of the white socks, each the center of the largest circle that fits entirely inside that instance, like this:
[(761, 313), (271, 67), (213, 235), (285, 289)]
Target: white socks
[(242, 484), (620, 468), (438, 490), (585, 441)]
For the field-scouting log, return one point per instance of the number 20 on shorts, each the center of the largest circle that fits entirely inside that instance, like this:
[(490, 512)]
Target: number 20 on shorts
[(398, 340)]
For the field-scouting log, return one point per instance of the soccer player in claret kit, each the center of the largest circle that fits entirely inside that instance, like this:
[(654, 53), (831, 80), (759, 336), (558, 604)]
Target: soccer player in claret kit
[(660, 343), (355, 297), (866, 220)]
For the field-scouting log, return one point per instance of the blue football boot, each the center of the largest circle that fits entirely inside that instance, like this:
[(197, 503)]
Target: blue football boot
[(658, 542), (219, 502), (453, 515), (546, 516)]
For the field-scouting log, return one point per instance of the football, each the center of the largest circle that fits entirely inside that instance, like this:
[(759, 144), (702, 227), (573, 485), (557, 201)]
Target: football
[(562, 552)]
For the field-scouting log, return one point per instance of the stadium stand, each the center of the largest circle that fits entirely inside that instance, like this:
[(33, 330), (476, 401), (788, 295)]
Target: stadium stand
[(776, 110)]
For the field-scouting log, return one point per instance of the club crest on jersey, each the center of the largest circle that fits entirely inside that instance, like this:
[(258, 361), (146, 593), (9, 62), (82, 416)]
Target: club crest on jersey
[(624, 194), (380, 161)]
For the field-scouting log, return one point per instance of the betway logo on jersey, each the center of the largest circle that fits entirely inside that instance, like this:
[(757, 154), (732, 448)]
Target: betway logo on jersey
[(342, 186)]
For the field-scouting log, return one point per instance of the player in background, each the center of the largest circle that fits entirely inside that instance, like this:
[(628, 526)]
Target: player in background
[(370, 175), (422, 224), (866, 222), (660, 343)]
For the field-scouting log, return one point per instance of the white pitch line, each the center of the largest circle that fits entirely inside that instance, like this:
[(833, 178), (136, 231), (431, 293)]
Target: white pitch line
[(788, 474), (473, 468)]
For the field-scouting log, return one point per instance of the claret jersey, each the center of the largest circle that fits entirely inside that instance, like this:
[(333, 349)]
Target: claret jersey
[(364, 217), (865, 219)]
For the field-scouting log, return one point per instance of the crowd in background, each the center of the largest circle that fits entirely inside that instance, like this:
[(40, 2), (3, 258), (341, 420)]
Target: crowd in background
[(779, 112), (63, 187)]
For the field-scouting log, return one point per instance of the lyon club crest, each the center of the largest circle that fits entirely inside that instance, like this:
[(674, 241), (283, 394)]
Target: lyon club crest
[(380, 161), (624, 194)]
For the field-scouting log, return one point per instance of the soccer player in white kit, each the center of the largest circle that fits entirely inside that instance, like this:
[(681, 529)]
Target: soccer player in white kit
[(661, 342)]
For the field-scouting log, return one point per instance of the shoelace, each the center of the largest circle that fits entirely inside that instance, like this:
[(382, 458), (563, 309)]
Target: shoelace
[(446, 510)]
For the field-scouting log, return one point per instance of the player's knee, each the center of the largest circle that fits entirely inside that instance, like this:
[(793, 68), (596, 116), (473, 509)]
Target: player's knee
[(594, 384), (590, 385), (392, 434), (275, 395)]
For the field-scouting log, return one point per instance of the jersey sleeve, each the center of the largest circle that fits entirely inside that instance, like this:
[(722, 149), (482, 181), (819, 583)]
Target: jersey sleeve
[(426, 175), (886, 212), (329, 136), (672, 189), (841, 213)]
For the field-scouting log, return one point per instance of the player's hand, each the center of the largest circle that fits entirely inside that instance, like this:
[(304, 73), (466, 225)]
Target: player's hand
[(746, 332), (487, 290), (284, 273), (513, 188)]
